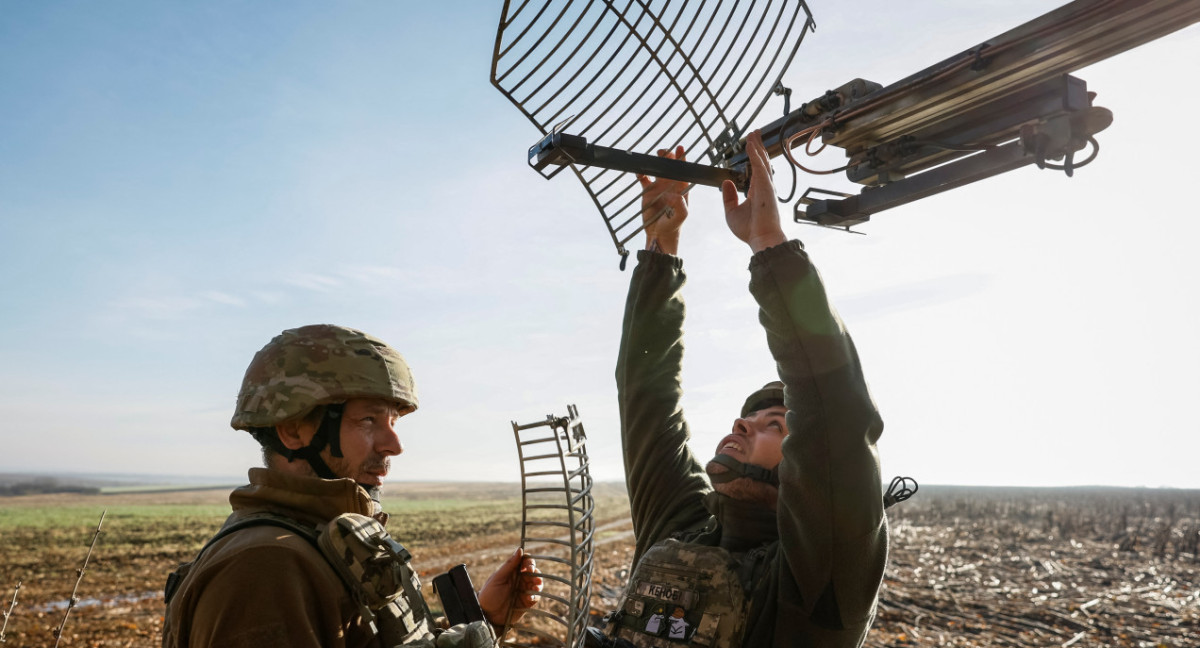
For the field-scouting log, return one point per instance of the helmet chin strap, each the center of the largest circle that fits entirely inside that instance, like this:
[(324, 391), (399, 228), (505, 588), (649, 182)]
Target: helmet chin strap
[(329, 433), (374, 492), (737, 470)]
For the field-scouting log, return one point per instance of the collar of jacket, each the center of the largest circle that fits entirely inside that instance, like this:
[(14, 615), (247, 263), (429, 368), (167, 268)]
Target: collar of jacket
[(308, 499), (744, 525)]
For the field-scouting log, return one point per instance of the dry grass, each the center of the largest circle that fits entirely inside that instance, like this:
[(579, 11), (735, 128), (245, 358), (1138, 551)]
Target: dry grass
[(1043, 567), (146, 535), (969, 567)]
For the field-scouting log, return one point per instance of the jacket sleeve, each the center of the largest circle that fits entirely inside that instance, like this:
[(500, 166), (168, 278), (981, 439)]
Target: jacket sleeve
[(666, 484), (833, 533)]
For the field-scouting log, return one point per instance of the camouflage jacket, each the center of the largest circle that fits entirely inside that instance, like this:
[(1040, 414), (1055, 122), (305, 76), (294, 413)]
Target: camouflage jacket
[(269, 585), (815, 582)]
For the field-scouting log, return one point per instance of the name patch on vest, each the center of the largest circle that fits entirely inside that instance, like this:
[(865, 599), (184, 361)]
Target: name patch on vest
[(667, 593)]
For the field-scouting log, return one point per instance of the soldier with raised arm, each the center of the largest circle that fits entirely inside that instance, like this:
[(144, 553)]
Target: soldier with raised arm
[(780, 539)]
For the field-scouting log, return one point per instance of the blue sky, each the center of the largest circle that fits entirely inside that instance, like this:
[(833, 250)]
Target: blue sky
[(180, 182)]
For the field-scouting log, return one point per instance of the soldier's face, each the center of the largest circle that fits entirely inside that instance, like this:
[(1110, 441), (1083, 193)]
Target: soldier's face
[(369, 439), (757, 438)]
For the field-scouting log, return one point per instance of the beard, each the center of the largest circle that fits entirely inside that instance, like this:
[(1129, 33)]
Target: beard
[(744, 489)]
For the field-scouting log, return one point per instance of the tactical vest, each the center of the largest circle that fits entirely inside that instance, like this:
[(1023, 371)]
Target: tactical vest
[(376, 572), (682, 594)]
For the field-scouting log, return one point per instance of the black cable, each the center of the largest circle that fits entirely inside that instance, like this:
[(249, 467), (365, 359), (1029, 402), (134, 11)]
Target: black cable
[(899, 490), (795, 182), (1076, 165)]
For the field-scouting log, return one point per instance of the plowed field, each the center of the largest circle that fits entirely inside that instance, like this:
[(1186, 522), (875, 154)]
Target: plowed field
[(969, 567)]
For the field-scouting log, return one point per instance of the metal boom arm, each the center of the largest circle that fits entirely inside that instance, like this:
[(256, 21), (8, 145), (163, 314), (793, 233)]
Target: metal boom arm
[(560, 149), (1004, 104)]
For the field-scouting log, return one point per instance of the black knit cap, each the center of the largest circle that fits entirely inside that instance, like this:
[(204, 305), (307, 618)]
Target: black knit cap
[(772, 391)]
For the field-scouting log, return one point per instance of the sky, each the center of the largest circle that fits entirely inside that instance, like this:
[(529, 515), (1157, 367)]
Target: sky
[(179, 182)]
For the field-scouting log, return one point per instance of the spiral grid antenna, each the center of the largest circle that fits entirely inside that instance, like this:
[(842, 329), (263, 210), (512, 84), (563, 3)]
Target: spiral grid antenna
[(641, 75), (557, 530)]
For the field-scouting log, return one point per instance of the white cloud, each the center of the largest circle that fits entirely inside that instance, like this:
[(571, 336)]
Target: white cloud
[(223, 298), (368, 274), (268, 297), (157, 307), (311, 281)]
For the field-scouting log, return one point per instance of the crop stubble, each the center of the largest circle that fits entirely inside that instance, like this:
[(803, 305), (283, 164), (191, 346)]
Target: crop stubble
[(968, 567)]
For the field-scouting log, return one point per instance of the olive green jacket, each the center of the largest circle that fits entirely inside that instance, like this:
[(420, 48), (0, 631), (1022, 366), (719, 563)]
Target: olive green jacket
[(265, 585), (816, 584)]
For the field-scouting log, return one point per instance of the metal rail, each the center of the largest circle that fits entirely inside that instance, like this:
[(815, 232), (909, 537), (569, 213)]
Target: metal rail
[(557, 529), (1000, 105)]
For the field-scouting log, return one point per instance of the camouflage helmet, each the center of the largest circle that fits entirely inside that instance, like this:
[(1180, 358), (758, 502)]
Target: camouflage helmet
[(316, 365)]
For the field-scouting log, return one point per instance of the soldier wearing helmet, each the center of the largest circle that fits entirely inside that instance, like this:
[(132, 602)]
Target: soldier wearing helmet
[(780, 539), (304, 559)]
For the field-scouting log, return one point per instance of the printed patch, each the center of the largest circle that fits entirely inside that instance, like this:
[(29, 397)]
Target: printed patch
[(635, 607), (677, 625), (683, 597), (654, 625)]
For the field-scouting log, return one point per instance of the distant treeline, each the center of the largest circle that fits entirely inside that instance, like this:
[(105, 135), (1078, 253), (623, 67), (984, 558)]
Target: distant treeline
[(42, 485)]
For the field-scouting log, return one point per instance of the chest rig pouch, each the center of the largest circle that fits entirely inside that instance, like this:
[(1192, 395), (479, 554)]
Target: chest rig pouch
[(376, 571), (682, 594)]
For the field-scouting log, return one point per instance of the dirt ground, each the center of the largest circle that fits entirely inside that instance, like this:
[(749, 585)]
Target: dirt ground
[(967, 568)]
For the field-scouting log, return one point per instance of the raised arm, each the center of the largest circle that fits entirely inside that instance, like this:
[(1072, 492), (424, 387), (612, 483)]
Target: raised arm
[(666, 484), (833, 534), (664, 208)]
